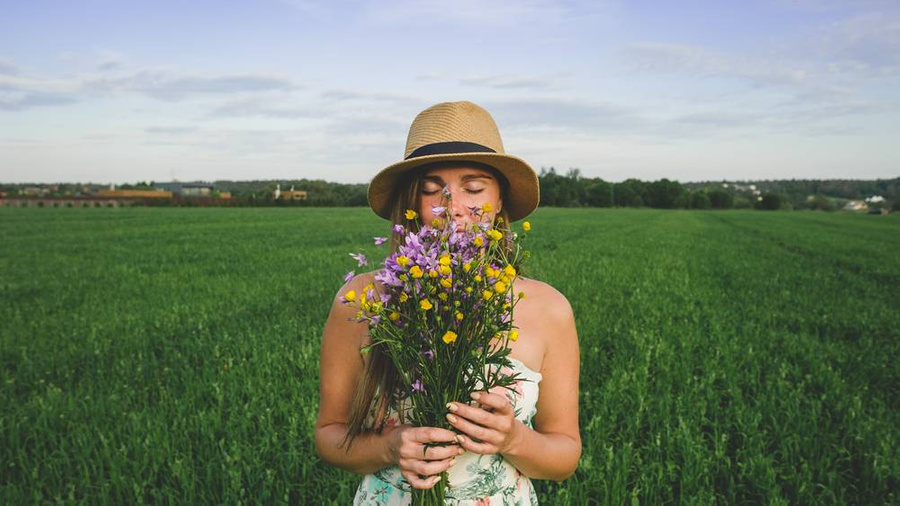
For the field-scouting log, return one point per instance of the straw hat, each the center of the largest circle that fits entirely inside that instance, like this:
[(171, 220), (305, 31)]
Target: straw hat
[(458, 131)]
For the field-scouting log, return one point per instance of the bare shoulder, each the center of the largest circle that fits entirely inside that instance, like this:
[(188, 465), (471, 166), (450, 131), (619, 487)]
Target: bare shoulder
[(548, 299), (357, 283)]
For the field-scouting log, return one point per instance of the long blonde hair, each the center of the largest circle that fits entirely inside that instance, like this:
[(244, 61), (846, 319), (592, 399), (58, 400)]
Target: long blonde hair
[(379, 374)]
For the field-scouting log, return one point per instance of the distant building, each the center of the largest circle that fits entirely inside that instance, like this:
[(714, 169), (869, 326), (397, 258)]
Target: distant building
[(856, 205), (187, 189), (875, 199), (291, 194), (135, 193)]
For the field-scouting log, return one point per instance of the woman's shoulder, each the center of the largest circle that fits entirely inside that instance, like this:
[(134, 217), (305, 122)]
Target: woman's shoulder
[(357, 283), (543, 295)]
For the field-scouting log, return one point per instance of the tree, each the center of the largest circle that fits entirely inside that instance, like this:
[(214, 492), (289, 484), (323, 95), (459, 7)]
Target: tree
[(700, 200), (721, 199), (664, 193), (600, 194), (629, 193), (770, 202)]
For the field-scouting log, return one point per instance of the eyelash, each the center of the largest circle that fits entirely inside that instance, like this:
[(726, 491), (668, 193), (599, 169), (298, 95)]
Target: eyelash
[(472, 192)]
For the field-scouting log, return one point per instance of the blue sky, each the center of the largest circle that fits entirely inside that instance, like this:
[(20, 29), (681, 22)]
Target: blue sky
[(121, 91)]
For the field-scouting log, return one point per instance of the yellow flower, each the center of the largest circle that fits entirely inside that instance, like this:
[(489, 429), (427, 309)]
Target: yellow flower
[(506, 306), (478, 278), (404, 297), (351, 295), (504, 278), (410, 214), (394, 316), (425, 305), (495, 234), (468, 289), (377, 306), (368, 287), (499, 287), (444, 260), (443, 296), (526, 226), (521, 295), (479, 241), (509, 270), (402, 260), (487, 207), (403, 277), (449, 337), (467, 266), (432, 273), (459, 316), (487, 294), (436, 223), (513, 335), (447, 282), (446, 270), (416, 271)]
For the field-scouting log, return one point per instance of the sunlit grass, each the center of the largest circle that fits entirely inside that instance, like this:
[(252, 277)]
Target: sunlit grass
[(170, 355)]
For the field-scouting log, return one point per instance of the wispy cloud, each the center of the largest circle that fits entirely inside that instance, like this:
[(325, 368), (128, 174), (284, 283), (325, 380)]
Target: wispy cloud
[(174, 87), (568, 114), (7, 67), (23, 101), (508, 82), (170, 130), (264, 109), (696, 61)]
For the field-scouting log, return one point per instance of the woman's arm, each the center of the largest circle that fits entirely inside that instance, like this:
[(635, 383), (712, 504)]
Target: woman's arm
[(340, 367), (553, 448)]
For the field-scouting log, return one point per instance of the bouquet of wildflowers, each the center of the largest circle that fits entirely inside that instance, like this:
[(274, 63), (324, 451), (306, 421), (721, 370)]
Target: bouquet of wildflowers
[(443, 316)]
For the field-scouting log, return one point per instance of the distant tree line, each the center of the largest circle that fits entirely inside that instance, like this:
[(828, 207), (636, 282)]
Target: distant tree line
[(557, 190), (573, 190)]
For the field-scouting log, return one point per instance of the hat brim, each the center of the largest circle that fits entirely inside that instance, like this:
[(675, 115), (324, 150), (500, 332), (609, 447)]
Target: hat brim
[(521, 199)]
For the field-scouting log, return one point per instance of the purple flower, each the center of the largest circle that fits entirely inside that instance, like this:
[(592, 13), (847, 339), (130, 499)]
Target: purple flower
[(359, 257), (417, 386), (380, 240), (446, 191), (438, 210), (398, 229), (349, 276), (429, 354), (385, 297)]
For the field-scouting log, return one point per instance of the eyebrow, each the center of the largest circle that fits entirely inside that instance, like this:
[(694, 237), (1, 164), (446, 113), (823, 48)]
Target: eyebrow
[(467, 177)]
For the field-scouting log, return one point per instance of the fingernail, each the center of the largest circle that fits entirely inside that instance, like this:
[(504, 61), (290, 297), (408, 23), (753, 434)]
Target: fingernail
[(476, 395), (451, 418), (451, 406), (460, 438), (461, 451), (453, 462)]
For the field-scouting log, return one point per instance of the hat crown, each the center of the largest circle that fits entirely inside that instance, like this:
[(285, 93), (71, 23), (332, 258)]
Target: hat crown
[(453, 122)]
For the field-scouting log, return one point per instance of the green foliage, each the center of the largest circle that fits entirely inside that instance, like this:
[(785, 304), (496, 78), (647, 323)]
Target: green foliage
[(770, 202), (721, 199), (600, 194), (170, 355), (629, 193)]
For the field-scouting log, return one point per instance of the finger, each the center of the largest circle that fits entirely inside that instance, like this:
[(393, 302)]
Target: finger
[(500, 402), (420, 483), (473, 413), (480, 448), (433, 435), (474, 430), (421, 451), (427, 467)]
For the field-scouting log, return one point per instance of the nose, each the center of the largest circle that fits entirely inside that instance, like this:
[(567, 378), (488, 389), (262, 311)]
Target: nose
[(457, 207)]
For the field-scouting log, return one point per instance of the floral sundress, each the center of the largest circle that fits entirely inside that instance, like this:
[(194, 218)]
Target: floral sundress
[(475, 479)]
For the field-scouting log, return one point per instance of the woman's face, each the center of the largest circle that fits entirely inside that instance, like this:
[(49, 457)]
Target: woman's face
[(468, 186)]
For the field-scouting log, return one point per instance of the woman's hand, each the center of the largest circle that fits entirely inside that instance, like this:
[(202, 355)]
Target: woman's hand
[(496, 427), (420, 463)]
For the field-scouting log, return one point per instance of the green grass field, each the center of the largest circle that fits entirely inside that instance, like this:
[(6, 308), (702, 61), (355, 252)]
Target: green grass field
[(170, 355)]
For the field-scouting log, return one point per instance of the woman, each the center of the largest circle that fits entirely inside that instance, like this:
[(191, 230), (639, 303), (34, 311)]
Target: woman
[(505, 439)]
